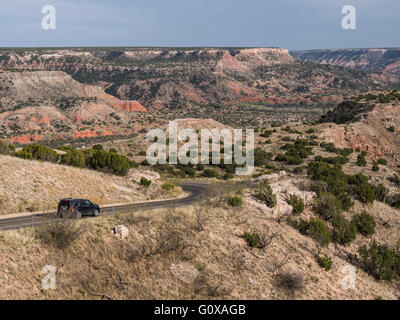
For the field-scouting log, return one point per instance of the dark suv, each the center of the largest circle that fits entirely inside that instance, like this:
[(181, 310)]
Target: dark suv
[(77, 207)]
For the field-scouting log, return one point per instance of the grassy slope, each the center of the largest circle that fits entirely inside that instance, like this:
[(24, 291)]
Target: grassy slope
[(34, 186)]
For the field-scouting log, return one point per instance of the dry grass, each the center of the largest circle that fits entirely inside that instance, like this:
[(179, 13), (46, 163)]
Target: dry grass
[(166, 256)]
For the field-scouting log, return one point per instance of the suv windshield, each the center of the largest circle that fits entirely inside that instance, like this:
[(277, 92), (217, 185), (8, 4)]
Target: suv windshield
[(65, 204)]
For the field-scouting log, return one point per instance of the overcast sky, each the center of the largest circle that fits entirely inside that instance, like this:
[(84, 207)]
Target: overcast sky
[(293, 24)]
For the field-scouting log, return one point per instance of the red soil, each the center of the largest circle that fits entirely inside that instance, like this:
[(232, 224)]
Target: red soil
[(28, 138), (91, 134), (129, 106)]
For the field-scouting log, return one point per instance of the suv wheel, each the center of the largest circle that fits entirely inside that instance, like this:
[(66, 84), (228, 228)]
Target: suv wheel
[(95, 212)]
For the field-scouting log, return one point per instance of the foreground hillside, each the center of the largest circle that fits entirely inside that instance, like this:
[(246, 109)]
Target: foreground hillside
[(191, 253)]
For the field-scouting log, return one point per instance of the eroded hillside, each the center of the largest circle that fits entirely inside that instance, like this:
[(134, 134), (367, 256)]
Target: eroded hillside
[(42, 105), (83, 92), (172, 77), (369, 123)]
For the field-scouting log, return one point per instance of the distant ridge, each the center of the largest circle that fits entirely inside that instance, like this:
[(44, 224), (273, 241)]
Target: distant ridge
[(362, 59)]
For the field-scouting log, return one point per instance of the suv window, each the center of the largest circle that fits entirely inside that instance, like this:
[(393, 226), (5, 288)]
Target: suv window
[(65, 204), (85, 202)]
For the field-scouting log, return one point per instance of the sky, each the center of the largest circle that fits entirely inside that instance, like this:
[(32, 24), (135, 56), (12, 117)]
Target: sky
[(292, 24)]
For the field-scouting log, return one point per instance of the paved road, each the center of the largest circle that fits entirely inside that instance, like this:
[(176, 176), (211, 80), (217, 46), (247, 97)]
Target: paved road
[(197, 192)]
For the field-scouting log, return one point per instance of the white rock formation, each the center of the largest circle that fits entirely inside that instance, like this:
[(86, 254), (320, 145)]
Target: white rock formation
[(120, 231)]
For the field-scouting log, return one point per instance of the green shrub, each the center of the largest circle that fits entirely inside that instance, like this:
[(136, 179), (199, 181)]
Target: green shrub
[(334, 177), (261, 157), (209, 173), (180, 174), (74, 158), (67, 148), (252, 238), (380, 261), (97, 147), (394, 201), (325, 262), (37, 151), (297, 204), (343, 231), (107, 161), (200, 167), (297, 170), (375, 166), (395, 179), (295, 153), (266, 194), (327, 205), (364, 223), (167, 186), (6, 148), (228, 176), (319, 186), (134, 164), (189, 171), (361, 161), (235, 201), (316, 229), (381, 192), (333, 160), (266, 134), (363, 190), (365, 193), (382, 161), (145, 182), (256, 239)]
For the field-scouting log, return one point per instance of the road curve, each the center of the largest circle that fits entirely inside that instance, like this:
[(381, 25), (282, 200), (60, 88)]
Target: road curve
[(197, 192)]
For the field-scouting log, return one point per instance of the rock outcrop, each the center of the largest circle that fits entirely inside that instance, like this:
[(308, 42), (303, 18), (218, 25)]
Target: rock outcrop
[(283, 187), (184, 272), (120, 231)]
